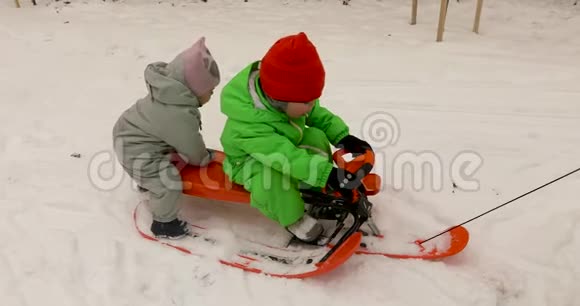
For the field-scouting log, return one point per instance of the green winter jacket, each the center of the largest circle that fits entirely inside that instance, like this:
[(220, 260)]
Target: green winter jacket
[(254, 129), (167, 120)]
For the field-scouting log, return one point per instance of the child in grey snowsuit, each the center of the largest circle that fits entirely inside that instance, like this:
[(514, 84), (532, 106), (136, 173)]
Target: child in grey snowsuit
[(164, 123)]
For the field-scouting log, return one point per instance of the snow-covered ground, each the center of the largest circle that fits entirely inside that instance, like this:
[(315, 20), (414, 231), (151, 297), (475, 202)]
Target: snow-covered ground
[(508, 98)]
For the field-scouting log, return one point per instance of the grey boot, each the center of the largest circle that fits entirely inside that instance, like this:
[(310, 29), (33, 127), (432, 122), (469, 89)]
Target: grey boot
[(307, 229)]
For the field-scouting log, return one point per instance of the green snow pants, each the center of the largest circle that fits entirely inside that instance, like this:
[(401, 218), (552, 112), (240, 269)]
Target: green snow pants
[(277, 195)]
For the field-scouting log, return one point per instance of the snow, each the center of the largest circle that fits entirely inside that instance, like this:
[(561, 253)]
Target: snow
[(505, 100)]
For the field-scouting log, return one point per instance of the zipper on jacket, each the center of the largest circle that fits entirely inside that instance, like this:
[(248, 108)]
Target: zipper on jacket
[(298, 128), (260, 105)]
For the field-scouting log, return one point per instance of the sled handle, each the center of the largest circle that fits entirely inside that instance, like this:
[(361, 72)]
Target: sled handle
[(364, 162)]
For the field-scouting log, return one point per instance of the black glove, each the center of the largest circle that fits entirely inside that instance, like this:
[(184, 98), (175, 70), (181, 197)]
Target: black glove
[(341, 180), (353, 145)]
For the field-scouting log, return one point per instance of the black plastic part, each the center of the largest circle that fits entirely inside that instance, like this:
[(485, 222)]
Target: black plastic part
[(338, 208)]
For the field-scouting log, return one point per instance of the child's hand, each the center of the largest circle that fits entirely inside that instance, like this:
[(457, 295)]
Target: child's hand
[(353, 145), (211, 154)]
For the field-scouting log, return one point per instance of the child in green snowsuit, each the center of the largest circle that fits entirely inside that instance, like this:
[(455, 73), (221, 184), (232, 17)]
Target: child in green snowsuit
[(277, 136)]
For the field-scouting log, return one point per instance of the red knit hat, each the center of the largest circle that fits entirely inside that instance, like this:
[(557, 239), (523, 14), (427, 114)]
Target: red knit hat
[(292, 71)]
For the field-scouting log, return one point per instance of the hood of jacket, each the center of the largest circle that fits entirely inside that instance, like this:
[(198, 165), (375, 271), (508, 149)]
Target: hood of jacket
[(166, 83), (243, 100)]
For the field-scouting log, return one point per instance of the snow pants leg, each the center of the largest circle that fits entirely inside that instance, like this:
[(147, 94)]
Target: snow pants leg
[(165, 192), (162, 181), (276, 195)]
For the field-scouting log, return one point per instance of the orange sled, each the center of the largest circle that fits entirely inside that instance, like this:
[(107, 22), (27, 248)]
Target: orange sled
[(211, 182)]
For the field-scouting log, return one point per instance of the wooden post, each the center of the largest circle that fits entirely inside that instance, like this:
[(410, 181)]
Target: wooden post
[(442, 16), (414, 13), (17, 3), (477, 16)]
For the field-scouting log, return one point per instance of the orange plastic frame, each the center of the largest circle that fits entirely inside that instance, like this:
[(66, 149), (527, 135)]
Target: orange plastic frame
[(211, 182)]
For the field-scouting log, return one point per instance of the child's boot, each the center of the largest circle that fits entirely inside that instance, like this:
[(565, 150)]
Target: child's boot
[(307, 229), (174, 229)]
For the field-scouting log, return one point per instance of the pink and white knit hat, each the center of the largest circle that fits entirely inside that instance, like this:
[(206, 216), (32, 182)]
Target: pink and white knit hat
[(200, 69)]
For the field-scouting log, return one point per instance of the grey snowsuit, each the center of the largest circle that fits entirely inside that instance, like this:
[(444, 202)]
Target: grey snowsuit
[(165, 122)]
